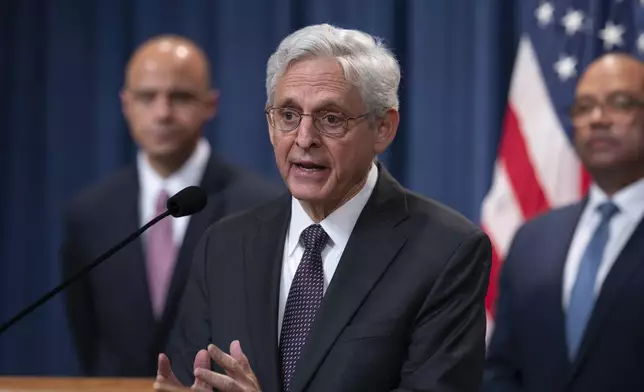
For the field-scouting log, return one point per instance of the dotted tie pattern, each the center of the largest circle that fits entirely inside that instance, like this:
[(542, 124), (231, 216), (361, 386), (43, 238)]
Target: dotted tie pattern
[(304, 298)]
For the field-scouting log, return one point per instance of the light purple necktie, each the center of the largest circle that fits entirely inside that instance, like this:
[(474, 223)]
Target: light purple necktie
[(161, 253)]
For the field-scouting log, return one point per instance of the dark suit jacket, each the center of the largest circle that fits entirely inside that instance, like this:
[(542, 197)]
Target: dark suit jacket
[(528, 350), (110, 311), (404, 310)]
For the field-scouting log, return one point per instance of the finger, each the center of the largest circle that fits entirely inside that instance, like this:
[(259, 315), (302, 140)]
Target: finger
[(164, 371), (218, 381), (238, 354), (167, 387), (232, 367), (202, 361)]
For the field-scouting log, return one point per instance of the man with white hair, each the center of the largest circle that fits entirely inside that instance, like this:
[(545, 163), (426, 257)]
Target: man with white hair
[(351, 282)]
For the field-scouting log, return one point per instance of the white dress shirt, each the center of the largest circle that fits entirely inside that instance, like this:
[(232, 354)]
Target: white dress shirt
[(630, 202), (151, 184), (338, 225)]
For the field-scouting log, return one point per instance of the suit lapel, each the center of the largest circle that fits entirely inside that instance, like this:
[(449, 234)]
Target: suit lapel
[(214, 180), (553, 261), (133, 266), (263, 253), (375, 240), (628, 261)]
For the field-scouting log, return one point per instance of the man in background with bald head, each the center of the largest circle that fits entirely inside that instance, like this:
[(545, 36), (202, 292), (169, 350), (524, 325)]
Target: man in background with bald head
[(569, 316), (122, 313)]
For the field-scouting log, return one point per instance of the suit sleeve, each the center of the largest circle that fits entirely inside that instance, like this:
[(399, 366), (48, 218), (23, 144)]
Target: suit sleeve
[(78, 296), (447, 348), (191, 332), (501, 371)]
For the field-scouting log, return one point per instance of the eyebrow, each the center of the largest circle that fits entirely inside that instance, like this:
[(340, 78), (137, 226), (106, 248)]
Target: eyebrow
[(175, 92), (586, 97), (172, 90), (324, 105)]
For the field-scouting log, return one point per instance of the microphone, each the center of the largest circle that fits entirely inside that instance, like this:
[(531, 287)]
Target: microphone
[(186, 202)]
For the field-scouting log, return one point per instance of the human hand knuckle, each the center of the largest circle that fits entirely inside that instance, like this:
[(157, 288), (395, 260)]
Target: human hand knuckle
[(229, 384)]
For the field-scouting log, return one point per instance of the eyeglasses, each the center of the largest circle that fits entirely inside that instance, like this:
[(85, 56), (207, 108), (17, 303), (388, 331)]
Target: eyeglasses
[(328, 123), (619, 107)]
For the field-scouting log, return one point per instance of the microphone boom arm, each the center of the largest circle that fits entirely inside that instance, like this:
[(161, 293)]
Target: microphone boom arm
[(85, 270)]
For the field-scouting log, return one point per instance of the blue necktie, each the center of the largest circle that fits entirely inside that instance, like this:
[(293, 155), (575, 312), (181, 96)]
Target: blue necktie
[(582, 298)]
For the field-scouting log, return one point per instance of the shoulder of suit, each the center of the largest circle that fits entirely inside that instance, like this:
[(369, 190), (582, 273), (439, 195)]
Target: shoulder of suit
[(552, 218), (539, 228), (242, 220), (101, 194), (419, 207), (234, 178), (439, 214)]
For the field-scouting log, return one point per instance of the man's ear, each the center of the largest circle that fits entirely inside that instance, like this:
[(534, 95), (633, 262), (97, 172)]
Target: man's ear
[(212, 102), (124, 95), (386, 130), (271, 133)]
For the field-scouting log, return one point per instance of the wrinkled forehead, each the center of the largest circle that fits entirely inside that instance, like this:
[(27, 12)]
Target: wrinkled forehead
[(316, 83)]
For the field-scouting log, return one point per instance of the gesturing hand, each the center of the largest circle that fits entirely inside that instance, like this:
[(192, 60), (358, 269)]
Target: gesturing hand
[(239, 376), (167, 381)]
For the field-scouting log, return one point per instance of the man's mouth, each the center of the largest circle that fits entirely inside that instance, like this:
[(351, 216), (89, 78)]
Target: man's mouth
[(601, 142), (308, 166)]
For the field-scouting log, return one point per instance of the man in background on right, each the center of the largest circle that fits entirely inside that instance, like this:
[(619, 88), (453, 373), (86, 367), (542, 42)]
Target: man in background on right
[(570, 316)]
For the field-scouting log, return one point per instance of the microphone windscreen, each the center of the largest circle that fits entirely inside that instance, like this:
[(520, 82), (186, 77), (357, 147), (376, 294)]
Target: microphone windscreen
[(186, 202)]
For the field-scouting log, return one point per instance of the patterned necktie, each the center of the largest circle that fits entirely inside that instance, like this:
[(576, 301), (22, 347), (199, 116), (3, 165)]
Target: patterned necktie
[(304, 298), (160, 254), (582, 298)]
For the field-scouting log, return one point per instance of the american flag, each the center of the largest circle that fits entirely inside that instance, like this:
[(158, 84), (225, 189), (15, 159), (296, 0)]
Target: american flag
[(536, 168)]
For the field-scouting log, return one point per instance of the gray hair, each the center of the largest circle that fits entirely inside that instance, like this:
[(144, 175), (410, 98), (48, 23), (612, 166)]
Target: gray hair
[(366, 62)]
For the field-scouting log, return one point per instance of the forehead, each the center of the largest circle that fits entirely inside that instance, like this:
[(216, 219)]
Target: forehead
[(154, 73), (312, 82), (611, 75)]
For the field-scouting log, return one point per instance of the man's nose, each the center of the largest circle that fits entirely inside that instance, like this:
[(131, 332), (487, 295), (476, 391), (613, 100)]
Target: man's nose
[(162, 107), (307, 133), (599, 115)]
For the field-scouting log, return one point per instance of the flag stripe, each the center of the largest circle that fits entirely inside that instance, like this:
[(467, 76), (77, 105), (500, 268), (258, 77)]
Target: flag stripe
[(585, 181), (495, 271), (520, 170), (501, 212), (549, 149)]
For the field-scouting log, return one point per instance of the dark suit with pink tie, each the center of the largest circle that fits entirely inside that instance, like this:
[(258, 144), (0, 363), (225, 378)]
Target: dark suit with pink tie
[(111, 313)]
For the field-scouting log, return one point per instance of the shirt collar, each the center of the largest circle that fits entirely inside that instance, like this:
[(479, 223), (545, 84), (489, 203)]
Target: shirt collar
[(629, 200), (189, 174), (339, 224)]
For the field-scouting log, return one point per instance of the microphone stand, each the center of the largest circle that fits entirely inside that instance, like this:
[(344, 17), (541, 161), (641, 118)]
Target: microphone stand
[(85, 270)]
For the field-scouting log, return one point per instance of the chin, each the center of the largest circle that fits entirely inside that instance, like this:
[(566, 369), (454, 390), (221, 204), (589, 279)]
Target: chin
[(165, 149), (603, 160), (308, 193)]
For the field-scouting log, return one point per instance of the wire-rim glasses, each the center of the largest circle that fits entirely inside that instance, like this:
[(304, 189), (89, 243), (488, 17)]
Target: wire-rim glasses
[(619, 107), (329, 123)]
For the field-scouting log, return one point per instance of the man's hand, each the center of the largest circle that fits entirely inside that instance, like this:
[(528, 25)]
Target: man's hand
[(239, 376), (167, 381)]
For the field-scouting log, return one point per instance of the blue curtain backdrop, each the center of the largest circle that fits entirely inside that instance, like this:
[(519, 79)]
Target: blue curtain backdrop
[(61, 68)]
